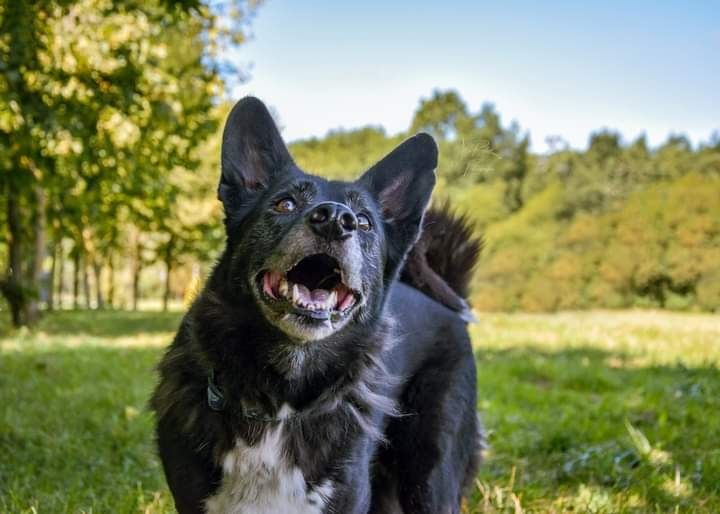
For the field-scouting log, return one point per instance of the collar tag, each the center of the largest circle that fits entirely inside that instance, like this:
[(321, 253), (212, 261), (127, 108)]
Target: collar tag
[(215, 398)]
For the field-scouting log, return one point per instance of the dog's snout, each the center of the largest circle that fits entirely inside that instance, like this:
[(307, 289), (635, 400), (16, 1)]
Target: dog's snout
[(332, 220)]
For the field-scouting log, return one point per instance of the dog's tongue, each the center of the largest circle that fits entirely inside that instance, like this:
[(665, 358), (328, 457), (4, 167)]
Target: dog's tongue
[(317, 299), (320, 295), (317, 295)]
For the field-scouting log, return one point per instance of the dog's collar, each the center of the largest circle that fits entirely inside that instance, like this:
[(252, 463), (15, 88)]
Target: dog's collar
[(216, 401), (215, 396)]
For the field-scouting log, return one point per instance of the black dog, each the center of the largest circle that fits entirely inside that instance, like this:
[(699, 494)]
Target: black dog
[(307, 377)]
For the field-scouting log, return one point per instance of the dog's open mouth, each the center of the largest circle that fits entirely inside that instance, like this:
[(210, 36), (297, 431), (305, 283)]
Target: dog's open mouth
[(314, 288)]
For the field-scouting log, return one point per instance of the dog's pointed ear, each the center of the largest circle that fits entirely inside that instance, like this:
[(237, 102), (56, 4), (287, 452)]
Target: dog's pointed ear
[(253, 152), (402, 183)]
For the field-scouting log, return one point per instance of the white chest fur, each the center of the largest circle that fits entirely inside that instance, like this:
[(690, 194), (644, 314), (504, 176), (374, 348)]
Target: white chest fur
[(259, 480)]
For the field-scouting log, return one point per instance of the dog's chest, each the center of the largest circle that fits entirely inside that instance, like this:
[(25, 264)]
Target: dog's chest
[(260, 479)]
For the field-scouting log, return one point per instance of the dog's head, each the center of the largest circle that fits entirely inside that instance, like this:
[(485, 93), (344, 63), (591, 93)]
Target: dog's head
[(316, 255)]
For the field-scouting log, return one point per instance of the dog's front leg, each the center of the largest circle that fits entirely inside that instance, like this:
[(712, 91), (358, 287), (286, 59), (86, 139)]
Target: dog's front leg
[(352, 497), (191, 477), (353, 491)]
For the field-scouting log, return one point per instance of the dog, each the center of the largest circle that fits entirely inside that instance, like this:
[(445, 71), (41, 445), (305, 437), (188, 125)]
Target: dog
[(321, 369)]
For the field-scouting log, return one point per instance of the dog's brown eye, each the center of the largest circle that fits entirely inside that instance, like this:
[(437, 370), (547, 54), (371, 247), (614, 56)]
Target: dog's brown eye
[(363, 222), (285, 205)]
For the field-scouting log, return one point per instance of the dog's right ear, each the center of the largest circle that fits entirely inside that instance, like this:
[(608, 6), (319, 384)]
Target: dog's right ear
[(253, 152)]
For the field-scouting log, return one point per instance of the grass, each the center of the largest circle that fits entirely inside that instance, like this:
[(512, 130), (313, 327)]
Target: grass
[(586, 412), (600, 412)]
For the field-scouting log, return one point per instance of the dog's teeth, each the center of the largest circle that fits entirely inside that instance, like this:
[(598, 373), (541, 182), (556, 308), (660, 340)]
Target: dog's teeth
[(301, 296), (283, 288)]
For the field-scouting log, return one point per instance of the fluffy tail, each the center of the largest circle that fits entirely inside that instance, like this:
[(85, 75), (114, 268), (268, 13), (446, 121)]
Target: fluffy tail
[(442, 261)]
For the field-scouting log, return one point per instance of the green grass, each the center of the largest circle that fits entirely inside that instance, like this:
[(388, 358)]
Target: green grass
[(586, 412), (600, 412)]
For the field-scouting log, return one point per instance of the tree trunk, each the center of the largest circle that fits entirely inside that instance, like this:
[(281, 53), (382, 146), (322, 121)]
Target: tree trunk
[(136, 274), (111, 281), (92, 264), (61, 275), (97, 272), (168, 269), (20, 45), (86, 282), (76, 278), (51, 280), (38, 256), (13, 288)]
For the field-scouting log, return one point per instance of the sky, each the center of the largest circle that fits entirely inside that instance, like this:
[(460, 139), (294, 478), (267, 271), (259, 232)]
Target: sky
[(557, 68)]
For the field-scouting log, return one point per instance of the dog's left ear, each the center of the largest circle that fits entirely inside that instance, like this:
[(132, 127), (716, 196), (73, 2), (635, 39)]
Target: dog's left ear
[(253, 152), (402, 183)]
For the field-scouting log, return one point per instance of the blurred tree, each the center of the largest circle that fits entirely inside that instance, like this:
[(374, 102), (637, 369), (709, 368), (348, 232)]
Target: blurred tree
[(444, 116), (603, 145), (342, 154), (613, 227), (23, 116), (99, 103)]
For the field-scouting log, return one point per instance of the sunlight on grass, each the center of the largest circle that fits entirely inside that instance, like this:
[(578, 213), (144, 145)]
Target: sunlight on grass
[(600, 411), (639, 338), (43, 341), (585, 412)]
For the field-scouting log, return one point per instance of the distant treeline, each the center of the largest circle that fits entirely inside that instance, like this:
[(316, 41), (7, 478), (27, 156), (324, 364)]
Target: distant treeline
[(617, 225), (110, 127)]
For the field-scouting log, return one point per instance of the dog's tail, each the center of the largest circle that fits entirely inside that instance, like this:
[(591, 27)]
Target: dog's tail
[(442, 261)]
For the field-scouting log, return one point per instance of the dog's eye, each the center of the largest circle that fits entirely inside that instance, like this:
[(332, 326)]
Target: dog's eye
[(363, 222), (285, 205)]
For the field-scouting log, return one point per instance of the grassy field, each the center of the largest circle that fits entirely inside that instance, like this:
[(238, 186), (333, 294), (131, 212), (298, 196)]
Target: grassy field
[(586, 412)]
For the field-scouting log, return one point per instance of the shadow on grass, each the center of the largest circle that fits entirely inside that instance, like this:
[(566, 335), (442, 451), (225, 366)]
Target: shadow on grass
[(590, 430), (108, 323)]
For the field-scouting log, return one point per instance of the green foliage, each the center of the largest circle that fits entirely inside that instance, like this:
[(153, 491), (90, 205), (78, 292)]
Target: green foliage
[(660, 248), (444, 116), (103, 106), (343, 155)]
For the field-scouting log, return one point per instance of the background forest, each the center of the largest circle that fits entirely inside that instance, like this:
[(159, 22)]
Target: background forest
[(110, 120)]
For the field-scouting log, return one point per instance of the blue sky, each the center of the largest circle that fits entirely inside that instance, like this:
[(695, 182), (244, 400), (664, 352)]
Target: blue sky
[(557, 68)]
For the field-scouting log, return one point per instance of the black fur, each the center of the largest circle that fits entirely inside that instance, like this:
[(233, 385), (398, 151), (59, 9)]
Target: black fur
[(441, 262), (384, 402)]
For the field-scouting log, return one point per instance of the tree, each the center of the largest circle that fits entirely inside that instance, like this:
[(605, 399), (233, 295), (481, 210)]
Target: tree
[(444, 116), (23, 116), (99, 103)]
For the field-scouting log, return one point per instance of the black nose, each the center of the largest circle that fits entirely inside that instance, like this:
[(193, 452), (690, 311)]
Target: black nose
[(332, 220)]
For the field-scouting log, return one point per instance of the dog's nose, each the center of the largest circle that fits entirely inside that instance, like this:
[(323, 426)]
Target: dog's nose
[(332, 220)]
